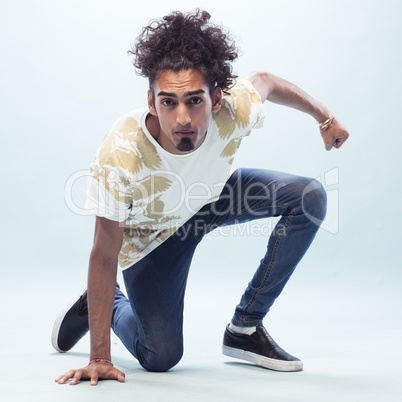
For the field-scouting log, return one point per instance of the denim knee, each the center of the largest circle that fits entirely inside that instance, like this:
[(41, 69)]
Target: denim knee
[(162, 360), (314, 200)]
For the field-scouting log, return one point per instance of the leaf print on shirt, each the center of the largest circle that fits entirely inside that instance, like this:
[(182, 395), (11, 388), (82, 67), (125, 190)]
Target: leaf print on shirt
[(144, 237), (235, 110), (148, 151), (139, 153), (149, 186), (125, 151), (225, 120), (154, 209), (114, 184), (232, 146), (162, 236), (243, 110), (129, 251), (255, 97), (126, 146)]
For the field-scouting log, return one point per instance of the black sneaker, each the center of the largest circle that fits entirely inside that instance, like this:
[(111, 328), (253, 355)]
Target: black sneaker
[(71, 324), (259, 348)]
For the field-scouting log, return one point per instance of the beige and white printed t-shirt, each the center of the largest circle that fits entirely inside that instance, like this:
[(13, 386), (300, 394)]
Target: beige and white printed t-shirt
[(134, 180)]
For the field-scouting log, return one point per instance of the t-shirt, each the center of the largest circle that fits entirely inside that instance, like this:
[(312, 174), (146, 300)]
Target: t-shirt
[(134, 180)]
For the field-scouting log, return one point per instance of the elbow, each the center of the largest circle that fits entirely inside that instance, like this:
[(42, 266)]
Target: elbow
[(101, 258), (263, 82), (268, 80)]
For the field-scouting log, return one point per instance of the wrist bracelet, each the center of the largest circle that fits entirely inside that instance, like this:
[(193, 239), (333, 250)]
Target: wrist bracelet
[(324, 125), (99, 359)]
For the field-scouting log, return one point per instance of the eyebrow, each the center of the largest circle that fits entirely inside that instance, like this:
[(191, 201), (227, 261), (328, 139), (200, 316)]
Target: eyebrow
[(173, 95)]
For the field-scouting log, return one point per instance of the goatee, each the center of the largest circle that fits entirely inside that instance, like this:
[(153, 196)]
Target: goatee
[(185, 145)]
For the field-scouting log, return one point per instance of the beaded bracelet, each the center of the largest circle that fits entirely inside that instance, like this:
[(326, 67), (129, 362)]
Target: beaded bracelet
[(99, 359), (324, 125)]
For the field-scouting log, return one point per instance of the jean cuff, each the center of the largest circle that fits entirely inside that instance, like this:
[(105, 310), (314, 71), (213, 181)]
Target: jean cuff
[(246, 324)]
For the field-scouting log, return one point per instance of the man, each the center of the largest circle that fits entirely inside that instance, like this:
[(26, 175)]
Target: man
[(162, 179)]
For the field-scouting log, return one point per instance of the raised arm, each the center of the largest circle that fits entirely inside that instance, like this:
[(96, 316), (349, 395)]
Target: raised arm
[(278, 90), (101, 291)]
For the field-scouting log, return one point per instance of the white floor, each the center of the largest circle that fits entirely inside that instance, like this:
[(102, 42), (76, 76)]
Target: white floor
[(348, 337)]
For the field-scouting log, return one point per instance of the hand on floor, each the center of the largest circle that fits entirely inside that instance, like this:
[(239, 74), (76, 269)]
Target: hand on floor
[(94, 372)]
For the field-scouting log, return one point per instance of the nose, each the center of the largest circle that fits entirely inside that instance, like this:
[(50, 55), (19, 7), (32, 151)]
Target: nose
[(183, 116)]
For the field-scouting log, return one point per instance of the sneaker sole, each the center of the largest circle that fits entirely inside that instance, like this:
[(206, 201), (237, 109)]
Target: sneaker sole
[(272, 364), (60, 318)]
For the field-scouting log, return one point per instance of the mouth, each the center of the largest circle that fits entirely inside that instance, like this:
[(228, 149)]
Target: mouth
[(184, 133)]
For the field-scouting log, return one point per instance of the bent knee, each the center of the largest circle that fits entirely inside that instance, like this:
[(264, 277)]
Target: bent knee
[(314, 199), (163, 360)]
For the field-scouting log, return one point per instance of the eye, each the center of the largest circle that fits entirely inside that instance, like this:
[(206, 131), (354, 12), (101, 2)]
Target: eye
[(167, 102), (195, 101)]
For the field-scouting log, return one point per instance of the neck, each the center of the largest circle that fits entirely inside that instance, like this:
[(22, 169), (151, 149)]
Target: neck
[(153, 126)]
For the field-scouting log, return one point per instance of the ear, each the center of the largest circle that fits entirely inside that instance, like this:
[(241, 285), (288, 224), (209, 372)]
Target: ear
[(217, 100), (151, 105)]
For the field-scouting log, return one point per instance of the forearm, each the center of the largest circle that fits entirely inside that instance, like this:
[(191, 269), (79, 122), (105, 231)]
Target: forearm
[(101, 293), (278, 90)]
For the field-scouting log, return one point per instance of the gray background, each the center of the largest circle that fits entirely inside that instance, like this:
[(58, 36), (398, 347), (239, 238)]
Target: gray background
[(66, 77)]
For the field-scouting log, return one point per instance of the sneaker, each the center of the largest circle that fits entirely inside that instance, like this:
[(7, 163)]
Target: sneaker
[(259, 348), (71, 324)]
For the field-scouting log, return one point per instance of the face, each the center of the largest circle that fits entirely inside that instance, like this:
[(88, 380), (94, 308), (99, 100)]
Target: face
[(183, 108)]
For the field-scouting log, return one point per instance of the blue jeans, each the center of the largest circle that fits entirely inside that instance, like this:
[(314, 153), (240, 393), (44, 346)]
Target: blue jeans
[(149, 322)]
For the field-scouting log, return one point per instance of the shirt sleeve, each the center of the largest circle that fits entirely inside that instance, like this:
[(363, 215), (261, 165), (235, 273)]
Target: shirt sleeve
[(248, 105), (109, 190)]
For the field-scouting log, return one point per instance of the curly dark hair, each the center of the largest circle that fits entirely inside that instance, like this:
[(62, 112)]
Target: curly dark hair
[(185, 41)]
